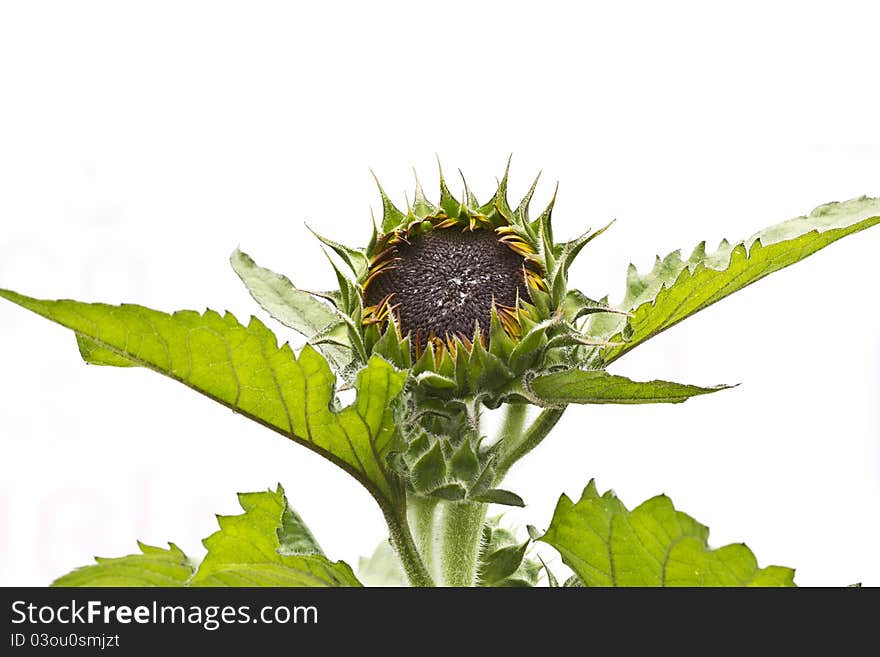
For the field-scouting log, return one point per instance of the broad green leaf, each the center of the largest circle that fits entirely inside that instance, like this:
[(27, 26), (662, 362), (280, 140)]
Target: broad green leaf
[(153, 567), (599, 387), (382, 568), (246, 551), (676, 288), (249, 550), (295, 308), (244, 369), (654, 545)]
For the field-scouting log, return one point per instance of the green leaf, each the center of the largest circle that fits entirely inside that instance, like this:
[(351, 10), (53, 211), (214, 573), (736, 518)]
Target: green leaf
[(153, 567), (552, 582), (244, 369), (382, 568), (246, 551), (654, 545), (599, 387), (502, 561), (500, 496), (676, 288), (576, 305), (294, 537), (295, 308), (279, 297), (257, 548)]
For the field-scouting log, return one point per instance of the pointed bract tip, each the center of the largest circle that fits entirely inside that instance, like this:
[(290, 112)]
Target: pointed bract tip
[(439, 166)]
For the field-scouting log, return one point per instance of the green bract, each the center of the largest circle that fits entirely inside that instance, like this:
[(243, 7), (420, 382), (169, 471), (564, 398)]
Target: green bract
[(451, 308)]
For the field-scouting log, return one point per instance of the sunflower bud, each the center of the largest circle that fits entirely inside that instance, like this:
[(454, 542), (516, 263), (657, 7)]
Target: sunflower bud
[(472, 299)]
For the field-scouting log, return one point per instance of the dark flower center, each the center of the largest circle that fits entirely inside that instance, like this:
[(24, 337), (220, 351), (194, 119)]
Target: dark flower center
[(443, 283)]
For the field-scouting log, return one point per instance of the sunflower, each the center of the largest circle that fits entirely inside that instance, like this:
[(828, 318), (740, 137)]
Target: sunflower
[(472, 299), (441, 277)]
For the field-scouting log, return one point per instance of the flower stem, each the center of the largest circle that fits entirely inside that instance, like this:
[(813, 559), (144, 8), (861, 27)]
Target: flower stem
[(403, 543), (461, 530), (514, 419), (511, 451)]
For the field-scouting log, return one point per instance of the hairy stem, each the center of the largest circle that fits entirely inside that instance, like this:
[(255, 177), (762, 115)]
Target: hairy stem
[(422, 515), (512, 426), (403, 543), (461, 531), (511, 451)]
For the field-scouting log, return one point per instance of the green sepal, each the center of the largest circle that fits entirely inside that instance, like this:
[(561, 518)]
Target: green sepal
[(421, 205), (541, 302), (356, 259), (449, 205), (371, 337), (352, 315), (393, 349), (528, 350), (577, 304), (500, 344), (522, 212), (464, 464), (568, 251), (471, 201), (453, 492), (543, 228), (500, 496), (503, 561), (497, 209), (429, 471), (392, 218)]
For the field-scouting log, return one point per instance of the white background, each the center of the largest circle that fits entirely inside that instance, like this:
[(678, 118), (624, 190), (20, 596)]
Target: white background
[(141, 143)]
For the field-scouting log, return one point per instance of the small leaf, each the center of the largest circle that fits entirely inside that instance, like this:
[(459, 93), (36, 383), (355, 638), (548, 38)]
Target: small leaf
[(551, 578), (500, 496), (502, 561), (279, 297), (294, 537), (302, 311), (153, 567), (654, 545), (246, 551), (500, 564), (599, 387), (577, 305), (382, 568)]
